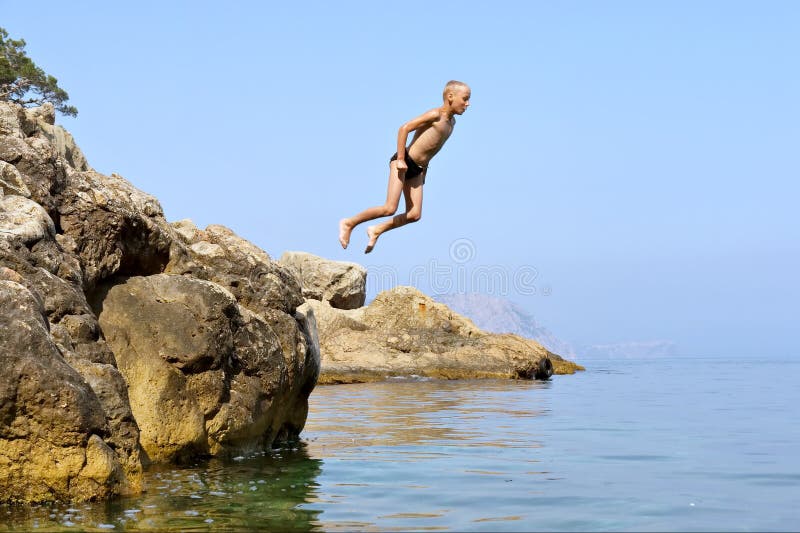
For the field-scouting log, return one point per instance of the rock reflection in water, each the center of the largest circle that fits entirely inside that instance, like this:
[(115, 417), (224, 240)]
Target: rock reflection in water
[(428, 454), (417, 413), (380, 456)]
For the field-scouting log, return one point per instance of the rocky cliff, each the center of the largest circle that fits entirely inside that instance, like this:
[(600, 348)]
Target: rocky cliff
[(125, 339)]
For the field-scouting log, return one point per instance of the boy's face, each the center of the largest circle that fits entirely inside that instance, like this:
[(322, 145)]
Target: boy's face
[(459, 100)]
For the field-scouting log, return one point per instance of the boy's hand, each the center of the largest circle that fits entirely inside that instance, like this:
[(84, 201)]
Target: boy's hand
[(401, 166)]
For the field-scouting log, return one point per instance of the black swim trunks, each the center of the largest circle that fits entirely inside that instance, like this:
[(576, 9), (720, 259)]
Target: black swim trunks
[(414, 169)]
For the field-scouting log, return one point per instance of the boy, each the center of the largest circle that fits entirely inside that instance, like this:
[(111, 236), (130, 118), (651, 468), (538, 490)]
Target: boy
[(409, 166)]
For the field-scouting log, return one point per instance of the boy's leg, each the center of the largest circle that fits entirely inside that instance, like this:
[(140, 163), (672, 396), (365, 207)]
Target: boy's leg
[(389, 207), (412, 191)]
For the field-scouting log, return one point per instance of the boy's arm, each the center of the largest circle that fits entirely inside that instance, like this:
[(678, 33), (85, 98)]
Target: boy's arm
[(425, 119)]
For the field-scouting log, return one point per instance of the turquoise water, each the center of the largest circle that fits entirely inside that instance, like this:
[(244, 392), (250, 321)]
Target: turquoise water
[(685, 444)]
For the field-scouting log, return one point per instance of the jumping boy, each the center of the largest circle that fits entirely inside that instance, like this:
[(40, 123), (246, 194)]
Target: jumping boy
[(409, 166)]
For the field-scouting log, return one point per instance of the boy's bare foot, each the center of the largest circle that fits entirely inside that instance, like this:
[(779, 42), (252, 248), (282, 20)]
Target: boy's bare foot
[(344, 233), (373, 238)]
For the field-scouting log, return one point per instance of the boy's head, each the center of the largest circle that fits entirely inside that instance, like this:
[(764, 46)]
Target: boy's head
[(456, 94)]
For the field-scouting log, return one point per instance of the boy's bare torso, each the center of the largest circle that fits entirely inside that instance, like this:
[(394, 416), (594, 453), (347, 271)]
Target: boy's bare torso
[(427, 141)]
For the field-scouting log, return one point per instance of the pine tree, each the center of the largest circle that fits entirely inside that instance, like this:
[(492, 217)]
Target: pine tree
[(22, 82)]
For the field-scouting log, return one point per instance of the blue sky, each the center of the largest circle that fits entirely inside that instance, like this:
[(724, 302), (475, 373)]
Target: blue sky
[(632, 165)]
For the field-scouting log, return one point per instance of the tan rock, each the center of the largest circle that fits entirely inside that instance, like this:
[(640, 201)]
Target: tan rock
[(204, 375), (404, 333), (9, 274), (51, 421), (45, 113), (267, 289), (53, 277)]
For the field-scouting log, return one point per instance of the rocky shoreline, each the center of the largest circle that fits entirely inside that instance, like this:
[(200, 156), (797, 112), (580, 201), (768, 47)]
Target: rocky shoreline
[(128, 340), (403, 332)]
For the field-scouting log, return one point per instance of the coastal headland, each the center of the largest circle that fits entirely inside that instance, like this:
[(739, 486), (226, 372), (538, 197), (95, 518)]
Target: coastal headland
[(127, 340)]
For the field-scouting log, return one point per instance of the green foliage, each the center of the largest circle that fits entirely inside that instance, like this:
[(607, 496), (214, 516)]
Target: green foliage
[(22, 82)]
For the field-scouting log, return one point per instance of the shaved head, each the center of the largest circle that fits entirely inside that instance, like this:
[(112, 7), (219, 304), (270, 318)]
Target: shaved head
[(454, 85)]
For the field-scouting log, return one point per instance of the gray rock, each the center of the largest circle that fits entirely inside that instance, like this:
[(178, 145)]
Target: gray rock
[(341, 284), (64, 145), (11, 116), (11, 181), (25, 219), (116, 228), (311, 365)]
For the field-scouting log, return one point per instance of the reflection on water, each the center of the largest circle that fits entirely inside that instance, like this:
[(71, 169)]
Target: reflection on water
[(421, 413), (427, 455), (382, 446), (652, 445)]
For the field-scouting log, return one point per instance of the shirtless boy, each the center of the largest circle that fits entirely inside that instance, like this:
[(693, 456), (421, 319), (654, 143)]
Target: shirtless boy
[(409, 166)]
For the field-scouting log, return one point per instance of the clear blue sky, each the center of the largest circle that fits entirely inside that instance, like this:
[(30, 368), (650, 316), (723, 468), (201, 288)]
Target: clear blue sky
[(642, 157)]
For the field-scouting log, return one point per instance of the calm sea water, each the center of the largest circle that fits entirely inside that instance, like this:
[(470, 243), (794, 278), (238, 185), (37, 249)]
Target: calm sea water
[(685, 444)]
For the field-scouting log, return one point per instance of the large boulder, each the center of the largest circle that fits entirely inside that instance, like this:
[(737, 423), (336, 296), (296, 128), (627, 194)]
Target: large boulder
[(341, 284), (405, 333), (54, 437), (259, 284), (205, 375)]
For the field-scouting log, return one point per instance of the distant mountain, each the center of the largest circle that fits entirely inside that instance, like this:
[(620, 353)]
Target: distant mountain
[(630, 350), (499, 315)]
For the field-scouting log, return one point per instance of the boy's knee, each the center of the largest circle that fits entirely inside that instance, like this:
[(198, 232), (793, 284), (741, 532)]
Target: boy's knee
[(389, 210), (413, 216)]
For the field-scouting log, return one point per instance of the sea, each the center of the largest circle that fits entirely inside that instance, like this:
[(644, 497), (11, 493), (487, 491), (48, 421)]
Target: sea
[(670, 444)]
